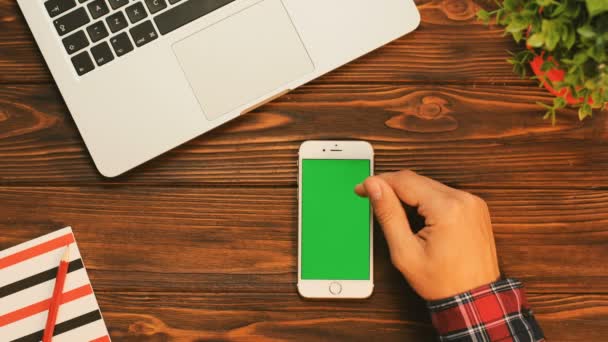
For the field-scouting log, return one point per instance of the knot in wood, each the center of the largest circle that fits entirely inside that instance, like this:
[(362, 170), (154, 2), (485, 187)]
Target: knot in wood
[(459, 9), (429, 110)]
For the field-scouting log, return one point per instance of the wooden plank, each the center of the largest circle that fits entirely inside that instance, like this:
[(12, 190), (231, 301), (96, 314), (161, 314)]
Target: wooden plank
[(245, 240), (285, 316), (479, 136), (449, 47), (262, 317)]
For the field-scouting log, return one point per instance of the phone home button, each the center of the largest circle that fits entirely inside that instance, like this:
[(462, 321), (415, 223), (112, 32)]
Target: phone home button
[(335, 288)]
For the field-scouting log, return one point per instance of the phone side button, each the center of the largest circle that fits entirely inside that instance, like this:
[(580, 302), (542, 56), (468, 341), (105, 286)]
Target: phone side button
[(335, 288)]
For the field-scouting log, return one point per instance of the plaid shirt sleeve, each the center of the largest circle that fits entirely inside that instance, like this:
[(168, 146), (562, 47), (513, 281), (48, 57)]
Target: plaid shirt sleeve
[(495, 312)]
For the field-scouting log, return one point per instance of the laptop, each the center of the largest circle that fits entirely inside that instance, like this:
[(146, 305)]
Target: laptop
[(141, 77)]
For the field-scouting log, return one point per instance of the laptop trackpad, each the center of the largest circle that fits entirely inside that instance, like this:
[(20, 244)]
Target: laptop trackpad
[(243, 58)]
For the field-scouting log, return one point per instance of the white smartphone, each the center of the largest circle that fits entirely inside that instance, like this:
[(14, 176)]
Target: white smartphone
[(335, 239)]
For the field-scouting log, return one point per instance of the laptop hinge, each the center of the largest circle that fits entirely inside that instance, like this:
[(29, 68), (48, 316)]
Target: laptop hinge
[(265, 101)]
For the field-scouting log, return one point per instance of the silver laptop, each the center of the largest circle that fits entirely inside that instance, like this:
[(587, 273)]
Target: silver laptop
[(141, 77)]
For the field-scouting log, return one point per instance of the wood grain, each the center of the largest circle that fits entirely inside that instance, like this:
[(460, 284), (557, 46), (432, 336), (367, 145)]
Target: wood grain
[(244, 239), (449, 47), (283, 317), (494, 136), (265, 317), (200, 244)]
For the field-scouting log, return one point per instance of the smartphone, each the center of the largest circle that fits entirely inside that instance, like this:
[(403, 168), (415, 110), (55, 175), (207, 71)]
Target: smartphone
[(335, 234)]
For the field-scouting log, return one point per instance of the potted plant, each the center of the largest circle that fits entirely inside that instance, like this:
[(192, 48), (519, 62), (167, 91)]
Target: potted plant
[(566, 46)]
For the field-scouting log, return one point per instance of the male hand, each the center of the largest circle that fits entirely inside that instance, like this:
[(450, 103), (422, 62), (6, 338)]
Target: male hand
[(453, 253)]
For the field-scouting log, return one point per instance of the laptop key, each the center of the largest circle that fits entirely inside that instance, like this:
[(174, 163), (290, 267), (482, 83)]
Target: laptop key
[(185, 13), (82, 63), (57, 7), (75, 42), (143, 33), (102, 54), (71, 21), (174, 1), (98, 8), (115, 4), (97, 31), (156, 5), (121, 44), (136, 12), (117, 22)]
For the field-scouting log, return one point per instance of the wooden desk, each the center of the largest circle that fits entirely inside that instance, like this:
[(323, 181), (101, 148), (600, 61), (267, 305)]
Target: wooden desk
[(200, 244)]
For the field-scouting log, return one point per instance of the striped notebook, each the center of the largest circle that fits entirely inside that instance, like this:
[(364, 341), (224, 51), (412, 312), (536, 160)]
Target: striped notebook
[(27, 279)]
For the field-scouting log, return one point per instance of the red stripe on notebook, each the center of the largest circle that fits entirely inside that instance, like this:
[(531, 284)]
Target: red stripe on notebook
[(101, 339), (44, 305), (35, 251)]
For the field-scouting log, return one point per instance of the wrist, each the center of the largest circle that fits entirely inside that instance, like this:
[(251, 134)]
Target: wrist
[(437, 290), (488, 308), (477, 291)]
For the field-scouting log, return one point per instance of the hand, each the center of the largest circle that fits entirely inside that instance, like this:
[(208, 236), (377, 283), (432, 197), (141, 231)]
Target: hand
[(453, 253)]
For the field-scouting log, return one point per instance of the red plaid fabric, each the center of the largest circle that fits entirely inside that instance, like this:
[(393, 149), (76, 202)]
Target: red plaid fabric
[(495, 312)]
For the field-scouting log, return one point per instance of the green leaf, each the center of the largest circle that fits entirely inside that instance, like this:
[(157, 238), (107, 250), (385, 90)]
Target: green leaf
[(546, 26), (517, 24), (518, 36), (551, 40), (559, 103), (596, 7), (590, 84), (586, 31), (483, 15), (552, 30), (596, 97), (569, 36), (511, 5), (536, 40), (547, 65), (559, 9), (545, 3), (572, 9), (580, 58), (584, 111)]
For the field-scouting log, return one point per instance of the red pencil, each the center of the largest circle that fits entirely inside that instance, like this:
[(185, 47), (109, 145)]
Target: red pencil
[(57, 294)]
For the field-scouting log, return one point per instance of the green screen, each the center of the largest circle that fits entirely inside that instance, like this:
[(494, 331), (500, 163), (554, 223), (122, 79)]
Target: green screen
[(335, 221)]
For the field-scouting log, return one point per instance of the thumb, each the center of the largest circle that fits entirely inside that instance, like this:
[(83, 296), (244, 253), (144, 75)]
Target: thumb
[(404, 245)]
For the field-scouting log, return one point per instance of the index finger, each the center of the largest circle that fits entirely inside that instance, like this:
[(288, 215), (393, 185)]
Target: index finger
[(412, 188)]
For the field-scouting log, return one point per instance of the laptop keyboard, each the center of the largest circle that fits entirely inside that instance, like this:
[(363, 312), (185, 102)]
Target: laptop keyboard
[(96, 32)]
